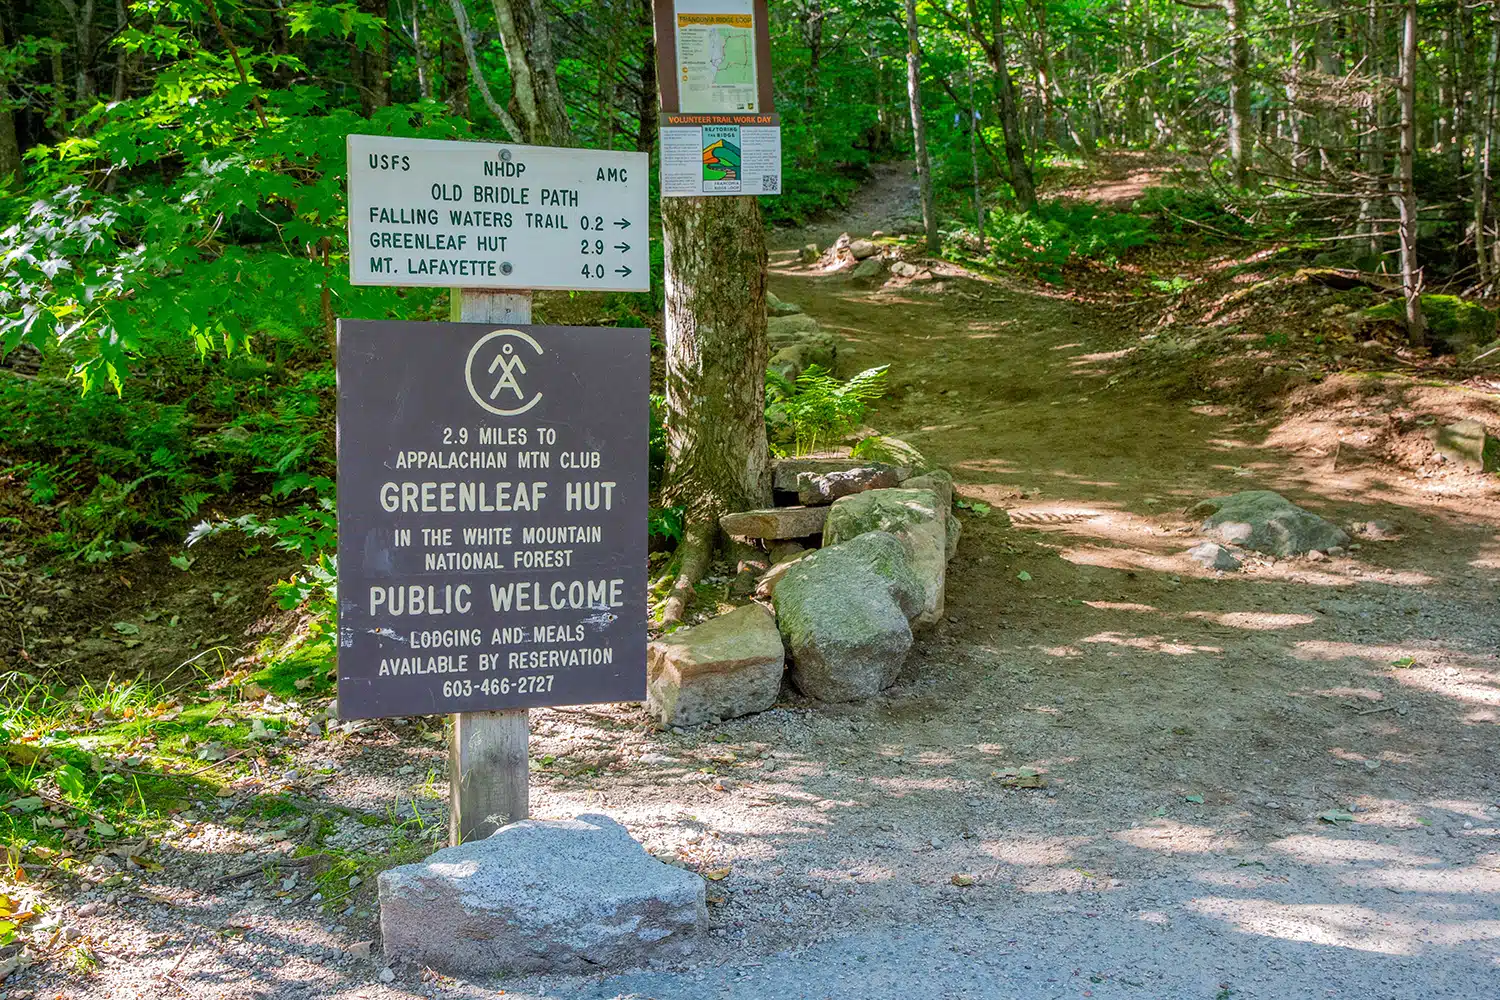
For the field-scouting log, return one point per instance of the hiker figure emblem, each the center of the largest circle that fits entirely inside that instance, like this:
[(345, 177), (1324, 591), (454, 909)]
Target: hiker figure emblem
[(497, 363)]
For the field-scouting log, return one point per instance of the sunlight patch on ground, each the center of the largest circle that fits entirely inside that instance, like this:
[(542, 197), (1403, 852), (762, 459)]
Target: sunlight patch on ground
[(1346, 850), (1166, 836), (1344, 926), (1030, 851), (1328, 650), (1083, 359), (1121, 559), (1119, 606), (1151, 643), (1254, 621)]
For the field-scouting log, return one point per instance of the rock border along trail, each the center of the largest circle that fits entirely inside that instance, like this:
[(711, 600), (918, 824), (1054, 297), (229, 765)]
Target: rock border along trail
[(1101, 773)]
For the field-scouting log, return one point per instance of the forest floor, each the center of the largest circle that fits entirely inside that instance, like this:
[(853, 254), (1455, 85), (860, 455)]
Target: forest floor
[(1272, 784)]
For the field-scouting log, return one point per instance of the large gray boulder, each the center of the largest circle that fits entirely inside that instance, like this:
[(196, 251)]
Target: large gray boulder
[(790, 327), (940, 481), (1267, 522), (844, 615), (913, 516), (791, 361), (776, 306), (1212, 555), (1468, 445), (869, 271), (541, 896), (724, 668)]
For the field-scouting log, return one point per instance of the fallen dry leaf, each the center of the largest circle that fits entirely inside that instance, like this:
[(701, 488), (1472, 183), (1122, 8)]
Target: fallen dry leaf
[(1020, 777)]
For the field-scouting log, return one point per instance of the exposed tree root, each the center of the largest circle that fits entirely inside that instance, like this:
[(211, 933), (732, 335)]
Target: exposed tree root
[(697, 548)]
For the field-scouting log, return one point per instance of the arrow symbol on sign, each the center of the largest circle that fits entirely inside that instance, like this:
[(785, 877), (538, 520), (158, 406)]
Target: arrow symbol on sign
[(623, 271), (623, 247), (623, 223)]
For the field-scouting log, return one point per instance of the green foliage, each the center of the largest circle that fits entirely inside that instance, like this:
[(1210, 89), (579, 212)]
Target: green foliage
[(1191, 212), (1057, 233), (666, 523), (112, 471), (215, 207), (817, 410)]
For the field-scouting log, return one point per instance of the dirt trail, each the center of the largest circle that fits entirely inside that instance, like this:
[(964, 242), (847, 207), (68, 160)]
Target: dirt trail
[(1191, 728)]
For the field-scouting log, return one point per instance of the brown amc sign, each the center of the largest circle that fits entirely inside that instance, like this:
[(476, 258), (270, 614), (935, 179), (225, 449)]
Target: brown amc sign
[(492, 516)]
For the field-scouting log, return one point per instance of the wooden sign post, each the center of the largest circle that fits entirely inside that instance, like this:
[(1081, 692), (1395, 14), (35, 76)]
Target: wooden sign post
[(492, 546), (489, 769)]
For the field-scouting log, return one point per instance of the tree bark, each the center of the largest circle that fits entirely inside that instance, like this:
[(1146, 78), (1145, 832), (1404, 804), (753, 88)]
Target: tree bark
[(647, 101), (1485, 145), (1005, 94), (10, 146), (378, 59), (1241, 141), (419, 53), (919, 126), (1373, 152), (535, 95), (716, 354), (1411, 275), (466, 37), (455, 70), (1294, 120)]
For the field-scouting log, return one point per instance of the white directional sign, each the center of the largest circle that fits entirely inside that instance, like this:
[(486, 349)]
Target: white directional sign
[(493, 215)]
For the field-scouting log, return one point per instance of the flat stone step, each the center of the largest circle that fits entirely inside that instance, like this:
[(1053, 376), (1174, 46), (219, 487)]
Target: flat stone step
[(775, 522), (784, 471)]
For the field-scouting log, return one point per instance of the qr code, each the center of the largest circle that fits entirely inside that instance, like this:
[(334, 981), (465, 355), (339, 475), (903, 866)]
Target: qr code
[(769, 182)]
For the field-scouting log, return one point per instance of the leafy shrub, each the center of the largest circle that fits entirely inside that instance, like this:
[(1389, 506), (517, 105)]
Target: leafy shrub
[(817, 409), (1193, 211), (1055, 233)]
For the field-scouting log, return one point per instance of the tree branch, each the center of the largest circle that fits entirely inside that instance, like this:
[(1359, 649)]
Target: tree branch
[(467, 37)]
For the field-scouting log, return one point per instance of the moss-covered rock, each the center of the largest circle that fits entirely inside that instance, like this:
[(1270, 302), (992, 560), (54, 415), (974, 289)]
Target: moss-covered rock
[(1453, 324)]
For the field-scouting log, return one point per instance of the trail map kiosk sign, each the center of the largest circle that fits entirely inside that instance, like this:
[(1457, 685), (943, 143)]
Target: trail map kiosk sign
[(492, 516), (719, 135), (436, 213)]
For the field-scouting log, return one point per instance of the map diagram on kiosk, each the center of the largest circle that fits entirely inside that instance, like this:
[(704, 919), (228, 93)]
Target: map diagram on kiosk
[(716, 62)]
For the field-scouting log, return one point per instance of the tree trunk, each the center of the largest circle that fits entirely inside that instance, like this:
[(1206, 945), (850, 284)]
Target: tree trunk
[(1005, 94), (466, 36), (814, 33), (419, 53), (1411, 275), (535, 95), (10, 147), (1485, 145), (455, 76), (973, 115), (1241, 140), (378, 59), (919, 126), (1295, 137), (716, 354), (645, 136), (1373, 151)]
